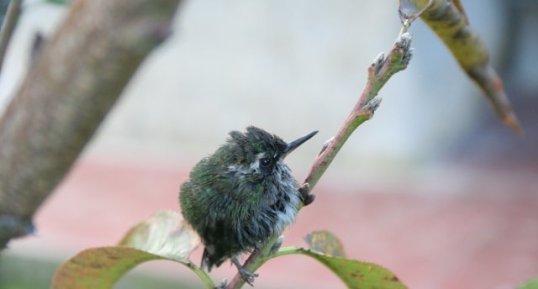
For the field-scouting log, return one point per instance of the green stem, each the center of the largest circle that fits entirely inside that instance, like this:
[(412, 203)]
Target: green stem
[(287, 251)]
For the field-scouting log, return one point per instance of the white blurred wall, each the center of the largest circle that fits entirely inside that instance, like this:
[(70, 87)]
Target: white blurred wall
[(289, 66)]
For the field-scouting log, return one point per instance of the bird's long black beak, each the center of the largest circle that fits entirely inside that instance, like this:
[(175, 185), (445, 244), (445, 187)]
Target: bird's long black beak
[(296, 143)]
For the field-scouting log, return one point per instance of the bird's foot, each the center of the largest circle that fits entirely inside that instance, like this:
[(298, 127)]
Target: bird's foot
[(246, 275), (306, 197)]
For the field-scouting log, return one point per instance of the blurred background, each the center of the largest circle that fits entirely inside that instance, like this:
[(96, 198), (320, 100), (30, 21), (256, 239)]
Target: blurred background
[(434, 187)]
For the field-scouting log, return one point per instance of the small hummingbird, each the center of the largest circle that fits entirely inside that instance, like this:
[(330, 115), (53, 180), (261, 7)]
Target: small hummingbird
[(241, 196)]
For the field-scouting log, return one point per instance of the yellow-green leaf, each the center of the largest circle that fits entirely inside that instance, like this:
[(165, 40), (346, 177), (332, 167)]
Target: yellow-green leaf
[(448, 20), (355, 274), (164, 236), (99, 268)]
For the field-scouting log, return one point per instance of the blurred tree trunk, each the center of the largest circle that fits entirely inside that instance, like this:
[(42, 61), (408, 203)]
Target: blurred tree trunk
[(69, 89)]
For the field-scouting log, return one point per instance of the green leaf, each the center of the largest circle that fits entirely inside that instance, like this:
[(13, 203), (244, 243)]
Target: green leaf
[(99, 267), (164, 236), (325, 242), (355, 274), (531, 284)]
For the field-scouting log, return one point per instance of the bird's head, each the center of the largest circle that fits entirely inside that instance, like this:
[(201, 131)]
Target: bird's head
[(258, 153)]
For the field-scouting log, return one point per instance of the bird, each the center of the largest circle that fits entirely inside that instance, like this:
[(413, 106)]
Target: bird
[(241, 196)]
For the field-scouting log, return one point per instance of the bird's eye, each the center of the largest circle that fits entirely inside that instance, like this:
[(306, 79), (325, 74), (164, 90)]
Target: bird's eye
[(265, 162)]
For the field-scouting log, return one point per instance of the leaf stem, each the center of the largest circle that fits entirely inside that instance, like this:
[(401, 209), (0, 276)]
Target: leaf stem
[(287, 251)]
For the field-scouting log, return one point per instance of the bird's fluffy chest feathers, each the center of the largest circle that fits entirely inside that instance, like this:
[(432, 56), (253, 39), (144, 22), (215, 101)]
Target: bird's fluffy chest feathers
[(263, 207)]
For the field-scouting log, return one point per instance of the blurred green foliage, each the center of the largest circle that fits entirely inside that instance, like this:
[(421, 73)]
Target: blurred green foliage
[(59, 2), (531, 284)]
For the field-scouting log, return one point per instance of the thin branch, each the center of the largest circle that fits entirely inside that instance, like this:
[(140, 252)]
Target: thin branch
[(378, 74), (8, 26), (74, 82)]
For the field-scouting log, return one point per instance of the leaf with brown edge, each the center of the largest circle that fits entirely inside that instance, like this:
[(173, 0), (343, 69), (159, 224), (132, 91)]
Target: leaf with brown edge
[(449, 22), (99, 268), (164, 236), (325, 242), (355, 274)]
